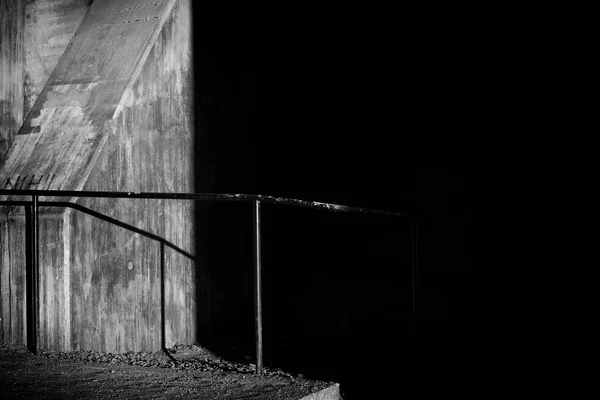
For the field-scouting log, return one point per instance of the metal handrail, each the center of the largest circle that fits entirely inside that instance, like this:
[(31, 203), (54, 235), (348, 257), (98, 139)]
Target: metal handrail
[(253, 198), (201, 196)]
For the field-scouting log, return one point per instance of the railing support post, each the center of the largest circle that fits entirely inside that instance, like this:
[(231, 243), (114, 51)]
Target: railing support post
[(415, 272), (163, 334), (29, 279), (35, 278), (257, 287)]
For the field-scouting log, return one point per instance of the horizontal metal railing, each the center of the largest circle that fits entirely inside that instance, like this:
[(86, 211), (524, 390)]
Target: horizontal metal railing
[(201, 196), (34, 204)]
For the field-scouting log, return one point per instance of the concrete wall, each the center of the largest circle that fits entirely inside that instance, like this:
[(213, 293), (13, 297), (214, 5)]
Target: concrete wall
[(33, 36), (115, 114), (12, 230), (151, 151), (11, 72), (49, 27), (74, 114), (12, 280)]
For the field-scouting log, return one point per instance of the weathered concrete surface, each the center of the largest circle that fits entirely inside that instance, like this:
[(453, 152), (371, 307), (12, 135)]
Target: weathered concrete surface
[(11, 72), (12, 280), (72, 118), (115, 114), (49, 27), (12, 271), (150, 150), (330, 393)]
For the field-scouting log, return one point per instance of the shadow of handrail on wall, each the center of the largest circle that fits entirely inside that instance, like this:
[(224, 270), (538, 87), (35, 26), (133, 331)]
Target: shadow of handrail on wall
[(163, 242), (106, 218)]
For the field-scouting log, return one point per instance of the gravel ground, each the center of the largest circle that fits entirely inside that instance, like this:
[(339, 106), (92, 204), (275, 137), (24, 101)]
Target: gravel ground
[(188, 372)]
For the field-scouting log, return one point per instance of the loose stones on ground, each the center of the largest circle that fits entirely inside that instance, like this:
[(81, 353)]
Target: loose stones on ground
[(194, 358)]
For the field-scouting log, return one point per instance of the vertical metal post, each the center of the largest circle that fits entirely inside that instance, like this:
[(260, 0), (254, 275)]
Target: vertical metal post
[(257, 287), (163, 339), (30, 279), (416, 262), (36, 272), (413, 233)]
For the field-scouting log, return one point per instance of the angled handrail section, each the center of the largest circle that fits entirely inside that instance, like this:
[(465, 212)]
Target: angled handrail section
[(96, 214), (255, 199)]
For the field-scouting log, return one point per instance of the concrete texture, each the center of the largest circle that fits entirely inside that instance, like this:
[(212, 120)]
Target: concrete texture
[(71, 119), (330, 393), (33, 36), (49, 27), (114, 114), (11, 72)]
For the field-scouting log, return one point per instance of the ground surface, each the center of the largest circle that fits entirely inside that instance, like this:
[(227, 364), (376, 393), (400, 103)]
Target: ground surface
[(191, 372)]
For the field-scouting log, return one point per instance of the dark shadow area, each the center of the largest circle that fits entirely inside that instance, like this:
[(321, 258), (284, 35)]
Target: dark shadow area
[(335, 287), (351, 107), (226, 291), (224, 99)]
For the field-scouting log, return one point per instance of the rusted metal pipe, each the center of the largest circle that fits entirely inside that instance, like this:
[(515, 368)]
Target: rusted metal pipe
[(258, 287)]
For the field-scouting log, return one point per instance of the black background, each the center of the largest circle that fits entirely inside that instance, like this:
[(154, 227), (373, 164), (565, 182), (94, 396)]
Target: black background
[(369, 107)]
